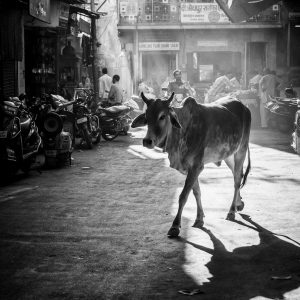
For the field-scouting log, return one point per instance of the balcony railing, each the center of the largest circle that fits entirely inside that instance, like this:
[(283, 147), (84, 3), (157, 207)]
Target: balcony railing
[(153, 12)]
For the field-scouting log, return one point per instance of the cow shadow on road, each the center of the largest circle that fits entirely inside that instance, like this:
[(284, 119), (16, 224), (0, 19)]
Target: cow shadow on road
[(269, 269)]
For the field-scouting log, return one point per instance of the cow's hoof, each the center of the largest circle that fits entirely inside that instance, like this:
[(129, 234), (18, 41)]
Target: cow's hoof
[(173, 232), (230, 216), (241, 206), (198, 224)]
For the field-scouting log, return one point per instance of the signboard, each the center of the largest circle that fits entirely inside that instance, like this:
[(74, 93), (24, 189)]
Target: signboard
[(64, 14), (294, 16), (73, 24), (212, 43), (159, 46), (40, 9), (206, 72), (202, 13)]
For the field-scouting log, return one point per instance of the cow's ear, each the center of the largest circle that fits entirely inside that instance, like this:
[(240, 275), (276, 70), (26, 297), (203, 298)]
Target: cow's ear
[(174, 119), (139, 121)]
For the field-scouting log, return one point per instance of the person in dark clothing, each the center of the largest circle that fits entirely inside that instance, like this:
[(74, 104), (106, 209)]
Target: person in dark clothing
[(115, 96)]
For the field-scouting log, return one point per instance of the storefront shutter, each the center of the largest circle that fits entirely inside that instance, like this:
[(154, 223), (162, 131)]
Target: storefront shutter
[(8, 84)]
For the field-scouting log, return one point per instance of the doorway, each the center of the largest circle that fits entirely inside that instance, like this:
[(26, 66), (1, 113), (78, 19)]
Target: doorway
[(255, 57), (157, 67)]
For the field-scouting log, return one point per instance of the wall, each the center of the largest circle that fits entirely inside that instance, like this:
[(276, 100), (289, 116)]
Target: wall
[(112, 53), (231, 40)]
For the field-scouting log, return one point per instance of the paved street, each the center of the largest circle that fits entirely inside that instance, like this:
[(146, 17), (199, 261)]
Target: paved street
[(97, 229)]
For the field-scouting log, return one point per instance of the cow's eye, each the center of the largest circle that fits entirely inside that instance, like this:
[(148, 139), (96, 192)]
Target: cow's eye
[(162, 117)]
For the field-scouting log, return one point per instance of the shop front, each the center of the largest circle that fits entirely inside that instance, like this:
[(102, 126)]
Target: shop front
[(57, 54), (41, 74), (220, 50), (158, 60)]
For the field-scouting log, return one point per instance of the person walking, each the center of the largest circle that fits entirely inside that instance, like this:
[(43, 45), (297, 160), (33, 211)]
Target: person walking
[(267, 86), (180, 88), (105, 82), (115, 96)]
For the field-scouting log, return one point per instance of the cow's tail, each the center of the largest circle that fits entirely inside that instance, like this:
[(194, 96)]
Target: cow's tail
[(247, 170)]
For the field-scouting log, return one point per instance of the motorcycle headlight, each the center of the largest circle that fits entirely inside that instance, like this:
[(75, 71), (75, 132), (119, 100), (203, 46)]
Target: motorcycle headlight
[(52, 124)]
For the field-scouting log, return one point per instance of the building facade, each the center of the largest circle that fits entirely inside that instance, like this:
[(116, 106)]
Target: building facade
[(45, 46), (198, 38)]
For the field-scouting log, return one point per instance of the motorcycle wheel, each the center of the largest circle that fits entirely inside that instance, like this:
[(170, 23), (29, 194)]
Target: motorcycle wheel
[(109, 136), (97, 139), (86, 135), (26, 166), (96, 131), (284, 125), (125, 130), (272, 123)]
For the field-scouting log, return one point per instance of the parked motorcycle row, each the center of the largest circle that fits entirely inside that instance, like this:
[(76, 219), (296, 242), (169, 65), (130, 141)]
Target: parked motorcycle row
[(43, 131), (284, 115)]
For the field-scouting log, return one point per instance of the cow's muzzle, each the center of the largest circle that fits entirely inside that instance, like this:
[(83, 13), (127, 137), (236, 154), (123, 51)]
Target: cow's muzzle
[(148, 143)]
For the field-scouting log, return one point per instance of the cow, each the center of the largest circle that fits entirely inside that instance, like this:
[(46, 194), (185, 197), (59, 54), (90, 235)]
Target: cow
[(194, 135)]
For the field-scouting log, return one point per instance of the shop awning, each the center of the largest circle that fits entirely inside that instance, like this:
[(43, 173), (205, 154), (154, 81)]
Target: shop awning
[(241, 10), (85, 12), (74, 1)]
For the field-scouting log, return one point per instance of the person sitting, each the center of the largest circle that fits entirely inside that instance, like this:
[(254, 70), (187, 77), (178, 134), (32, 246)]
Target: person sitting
[(115, 95)]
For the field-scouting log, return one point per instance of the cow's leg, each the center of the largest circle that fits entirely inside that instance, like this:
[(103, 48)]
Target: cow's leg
[(200, 214), (235, 163), (192, 175)]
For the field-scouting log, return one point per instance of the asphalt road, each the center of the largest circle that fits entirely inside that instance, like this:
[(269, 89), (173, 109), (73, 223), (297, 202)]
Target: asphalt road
[(97, 229)]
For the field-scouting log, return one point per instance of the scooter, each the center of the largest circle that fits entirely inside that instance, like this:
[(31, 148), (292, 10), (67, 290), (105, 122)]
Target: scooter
[(114, 120), (57, 143), (79, 121), (296, 133), (20, 141)]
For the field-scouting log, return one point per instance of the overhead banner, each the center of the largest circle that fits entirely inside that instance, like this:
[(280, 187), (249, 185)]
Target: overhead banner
[(242, 10), (159, 46), (202, 13), (40, 9)]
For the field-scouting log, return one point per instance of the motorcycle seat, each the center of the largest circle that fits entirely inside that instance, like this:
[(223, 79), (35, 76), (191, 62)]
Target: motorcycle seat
[(117, 110)]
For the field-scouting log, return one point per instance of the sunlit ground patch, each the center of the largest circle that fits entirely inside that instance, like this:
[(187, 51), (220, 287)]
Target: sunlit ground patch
[(145, 153)]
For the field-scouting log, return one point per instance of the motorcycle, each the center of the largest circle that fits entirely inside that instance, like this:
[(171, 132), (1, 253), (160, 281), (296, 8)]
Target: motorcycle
[(282, 111), (20, 141), (296, 133), (114, 120), (57, 143), (79, 121)]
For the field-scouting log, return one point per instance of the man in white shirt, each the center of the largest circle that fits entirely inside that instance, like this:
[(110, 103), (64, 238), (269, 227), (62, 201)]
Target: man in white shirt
[(105, 82)]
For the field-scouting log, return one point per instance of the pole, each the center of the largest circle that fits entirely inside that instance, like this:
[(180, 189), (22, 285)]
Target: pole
[(94, 51)]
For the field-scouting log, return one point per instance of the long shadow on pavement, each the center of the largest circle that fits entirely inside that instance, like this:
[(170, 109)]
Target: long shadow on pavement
[(269, 269), (272, 139)]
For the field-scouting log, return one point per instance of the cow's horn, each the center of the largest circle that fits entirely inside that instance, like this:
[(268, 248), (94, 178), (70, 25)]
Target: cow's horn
[(147, 101), (171, 98)]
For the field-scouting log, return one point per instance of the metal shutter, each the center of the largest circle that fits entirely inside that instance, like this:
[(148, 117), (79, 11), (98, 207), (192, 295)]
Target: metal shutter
[(8, 78)]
